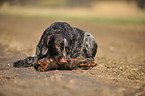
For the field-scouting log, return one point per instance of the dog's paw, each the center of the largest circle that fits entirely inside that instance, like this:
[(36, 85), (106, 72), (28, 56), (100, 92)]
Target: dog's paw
[(19, 63), (42, 65)]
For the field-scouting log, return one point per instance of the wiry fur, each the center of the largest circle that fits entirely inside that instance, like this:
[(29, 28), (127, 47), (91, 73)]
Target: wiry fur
[(60, 41)]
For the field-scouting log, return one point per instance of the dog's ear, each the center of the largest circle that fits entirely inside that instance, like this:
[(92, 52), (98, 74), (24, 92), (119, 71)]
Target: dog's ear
[(42, 48)]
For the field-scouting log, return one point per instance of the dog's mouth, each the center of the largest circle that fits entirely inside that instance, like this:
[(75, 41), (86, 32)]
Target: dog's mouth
[(61, 60)]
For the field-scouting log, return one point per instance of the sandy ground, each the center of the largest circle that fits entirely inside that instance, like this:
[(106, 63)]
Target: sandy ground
[(120, 69)]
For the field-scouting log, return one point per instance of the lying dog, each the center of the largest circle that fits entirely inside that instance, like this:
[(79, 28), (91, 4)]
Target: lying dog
[(61, 42)]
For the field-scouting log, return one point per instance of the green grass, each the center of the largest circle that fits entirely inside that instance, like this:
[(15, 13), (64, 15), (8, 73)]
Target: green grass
[(85, 19), (135, 75), (123, 21)]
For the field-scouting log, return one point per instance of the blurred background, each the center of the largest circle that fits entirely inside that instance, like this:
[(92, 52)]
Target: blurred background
[(75, 8), (95, 16), (99, 17)]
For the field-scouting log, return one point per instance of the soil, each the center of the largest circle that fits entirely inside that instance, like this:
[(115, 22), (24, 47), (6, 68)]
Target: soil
[(120, 69)]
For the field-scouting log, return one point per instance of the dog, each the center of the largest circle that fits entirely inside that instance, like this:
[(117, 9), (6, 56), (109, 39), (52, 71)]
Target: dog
[(60, 42)]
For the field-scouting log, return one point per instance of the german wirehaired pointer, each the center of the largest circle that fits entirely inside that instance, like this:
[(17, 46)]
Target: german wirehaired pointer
[(62, 43)]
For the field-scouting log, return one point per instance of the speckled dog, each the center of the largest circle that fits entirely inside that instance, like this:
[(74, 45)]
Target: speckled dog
[(62, 43)]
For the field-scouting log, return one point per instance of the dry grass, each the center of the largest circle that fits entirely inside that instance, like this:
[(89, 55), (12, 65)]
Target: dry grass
[(120, 58)]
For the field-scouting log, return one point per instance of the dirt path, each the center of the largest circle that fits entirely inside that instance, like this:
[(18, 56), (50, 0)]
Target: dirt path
[(120, 70)]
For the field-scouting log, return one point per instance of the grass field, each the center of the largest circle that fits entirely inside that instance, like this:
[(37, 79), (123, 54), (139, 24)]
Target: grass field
[(120, 59), (77, 14)]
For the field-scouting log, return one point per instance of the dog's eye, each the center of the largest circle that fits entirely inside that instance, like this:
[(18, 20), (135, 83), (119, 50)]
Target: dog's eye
[(66, 48)]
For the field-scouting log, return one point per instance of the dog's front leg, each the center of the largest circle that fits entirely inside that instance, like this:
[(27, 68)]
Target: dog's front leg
[(27, 62), (82, 62)]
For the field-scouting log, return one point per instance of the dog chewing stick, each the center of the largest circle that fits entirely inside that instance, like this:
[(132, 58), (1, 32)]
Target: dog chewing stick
[(73, 63)]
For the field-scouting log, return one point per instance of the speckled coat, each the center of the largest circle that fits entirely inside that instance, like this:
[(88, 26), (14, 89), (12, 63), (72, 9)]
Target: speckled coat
[(81, 44)]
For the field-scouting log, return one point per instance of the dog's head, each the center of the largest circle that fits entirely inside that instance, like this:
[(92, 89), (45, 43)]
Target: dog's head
[(59, 48), (55, 42)]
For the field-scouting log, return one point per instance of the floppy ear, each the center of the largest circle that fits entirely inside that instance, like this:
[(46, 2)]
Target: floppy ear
[(42, 48)]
